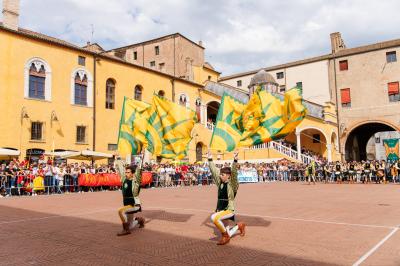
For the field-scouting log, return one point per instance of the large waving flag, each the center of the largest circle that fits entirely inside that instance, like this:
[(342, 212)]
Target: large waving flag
[(168, 129), (227, 134), (264, 118), (261, 120), (293, 111), (132, 127)]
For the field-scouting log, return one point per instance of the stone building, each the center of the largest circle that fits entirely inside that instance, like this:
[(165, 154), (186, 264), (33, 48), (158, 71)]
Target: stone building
[(362, 83)]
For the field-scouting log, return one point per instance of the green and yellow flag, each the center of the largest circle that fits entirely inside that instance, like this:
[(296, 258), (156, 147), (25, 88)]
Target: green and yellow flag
[(261, 120), (168, 129), (392, 149), (264, 118), (227, 134), (132, 128), (293, 111)]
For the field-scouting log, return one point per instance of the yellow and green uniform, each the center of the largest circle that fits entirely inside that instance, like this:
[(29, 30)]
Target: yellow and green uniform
[(130, 192), (226, 196)]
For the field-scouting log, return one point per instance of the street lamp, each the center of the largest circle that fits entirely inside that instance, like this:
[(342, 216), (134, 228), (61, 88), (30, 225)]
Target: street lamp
[(24, 114), (54, 116)]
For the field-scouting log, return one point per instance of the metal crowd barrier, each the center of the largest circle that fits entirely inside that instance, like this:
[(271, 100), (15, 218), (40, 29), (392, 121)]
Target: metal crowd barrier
[(34, 185)]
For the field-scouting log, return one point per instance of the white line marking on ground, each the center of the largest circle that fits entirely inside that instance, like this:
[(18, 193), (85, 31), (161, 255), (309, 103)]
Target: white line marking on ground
[(284, 218), (369, 253), (55, 216)]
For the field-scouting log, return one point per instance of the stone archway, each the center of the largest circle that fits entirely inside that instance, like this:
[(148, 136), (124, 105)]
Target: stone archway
[(357, 140)]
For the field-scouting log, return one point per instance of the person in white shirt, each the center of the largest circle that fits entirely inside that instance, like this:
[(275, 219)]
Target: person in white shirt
[(162, 175), (57, 175)]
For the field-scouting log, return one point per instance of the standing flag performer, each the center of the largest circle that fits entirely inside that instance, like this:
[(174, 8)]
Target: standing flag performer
[(227, 183), (131, 177)]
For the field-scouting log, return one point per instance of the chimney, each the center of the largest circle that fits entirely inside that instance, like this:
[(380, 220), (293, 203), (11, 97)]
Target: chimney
[(10, 14), (337, 42), (201, 43)]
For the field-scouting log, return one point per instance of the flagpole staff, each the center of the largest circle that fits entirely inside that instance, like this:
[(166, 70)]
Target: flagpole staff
[(142, 158)]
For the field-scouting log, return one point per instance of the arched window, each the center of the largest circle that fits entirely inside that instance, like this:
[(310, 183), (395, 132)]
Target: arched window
[(161, 93), (80, 91), (81, 87), (138, 92), (198, 109), (182, 99), (37, 80), (199, 152), (110, 94)]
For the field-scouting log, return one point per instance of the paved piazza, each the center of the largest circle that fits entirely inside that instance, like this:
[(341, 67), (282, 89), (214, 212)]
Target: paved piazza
[(288, 224)]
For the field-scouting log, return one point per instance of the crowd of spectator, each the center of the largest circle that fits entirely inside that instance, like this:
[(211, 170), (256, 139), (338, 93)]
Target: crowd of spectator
[(48, 177)]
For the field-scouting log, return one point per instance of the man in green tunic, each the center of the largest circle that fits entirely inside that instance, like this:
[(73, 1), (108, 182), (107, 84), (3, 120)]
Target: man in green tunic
[(227, 183), (131, 177)]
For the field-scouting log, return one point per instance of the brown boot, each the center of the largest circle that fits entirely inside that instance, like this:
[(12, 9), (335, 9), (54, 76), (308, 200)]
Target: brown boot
[(224, 239), (242, 227), (140, 221), (125, 230)]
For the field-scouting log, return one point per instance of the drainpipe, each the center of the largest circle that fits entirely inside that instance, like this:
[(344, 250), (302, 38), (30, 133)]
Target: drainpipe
[(173, 89), (337, 109), (94, 101)]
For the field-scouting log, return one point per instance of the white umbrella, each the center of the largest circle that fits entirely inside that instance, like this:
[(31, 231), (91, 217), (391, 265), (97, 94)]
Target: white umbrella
[(87, 155), (61, 153), (9, 153)]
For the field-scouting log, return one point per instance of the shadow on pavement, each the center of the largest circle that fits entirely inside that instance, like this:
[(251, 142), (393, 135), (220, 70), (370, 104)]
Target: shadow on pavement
[(65, 240)]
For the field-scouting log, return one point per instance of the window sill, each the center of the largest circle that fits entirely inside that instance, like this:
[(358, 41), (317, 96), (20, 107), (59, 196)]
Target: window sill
[(81, 143), (39, 100), (79, 105), (37, 141)]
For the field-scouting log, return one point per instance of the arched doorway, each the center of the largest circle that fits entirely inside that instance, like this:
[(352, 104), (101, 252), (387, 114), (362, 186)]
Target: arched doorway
[(212, 112), (356, 142), (199, 151)]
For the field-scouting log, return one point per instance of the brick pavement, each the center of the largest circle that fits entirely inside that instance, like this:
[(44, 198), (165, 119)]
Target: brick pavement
[(288, 224)]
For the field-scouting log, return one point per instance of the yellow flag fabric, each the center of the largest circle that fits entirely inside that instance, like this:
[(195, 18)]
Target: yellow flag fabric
[(264, 118), (293, 111), (131, 137), (169, 128), (226, 134)]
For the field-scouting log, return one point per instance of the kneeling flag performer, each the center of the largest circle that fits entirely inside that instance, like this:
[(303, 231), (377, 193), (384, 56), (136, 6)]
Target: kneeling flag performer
[(131, 176), (227, 183)]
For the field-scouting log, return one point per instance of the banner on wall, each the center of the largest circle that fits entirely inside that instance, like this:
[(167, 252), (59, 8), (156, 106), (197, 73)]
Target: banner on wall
[(392, 149), (247, 176)]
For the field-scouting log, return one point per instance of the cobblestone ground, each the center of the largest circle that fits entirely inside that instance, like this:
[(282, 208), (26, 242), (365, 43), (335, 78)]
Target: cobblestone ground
[(288, 224)]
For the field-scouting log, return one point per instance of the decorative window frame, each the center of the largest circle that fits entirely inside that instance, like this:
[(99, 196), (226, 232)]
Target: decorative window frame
[(81, 72), (187, 99), (38, 62)]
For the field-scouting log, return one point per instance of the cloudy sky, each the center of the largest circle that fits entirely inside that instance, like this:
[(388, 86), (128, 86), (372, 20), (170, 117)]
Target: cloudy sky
[(238, 35)]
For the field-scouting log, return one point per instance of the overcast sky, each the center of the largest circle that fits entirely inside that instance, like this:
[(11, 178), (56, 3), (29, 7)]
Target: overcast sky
[(238, 35)]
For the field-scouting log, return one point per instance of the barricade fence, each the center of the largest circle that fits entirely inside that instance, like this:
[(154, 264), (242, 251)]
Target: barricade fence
[(33, 185)]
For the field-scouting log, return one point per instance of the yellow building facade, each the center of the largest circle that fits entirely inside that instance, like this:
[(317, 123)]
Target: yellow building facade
[(63, 119)]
